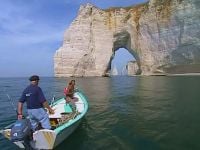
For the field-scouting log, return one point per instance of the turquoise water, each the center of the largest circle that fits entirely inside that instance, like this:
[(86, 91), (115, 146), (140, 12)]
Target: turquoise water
[(125, 113)]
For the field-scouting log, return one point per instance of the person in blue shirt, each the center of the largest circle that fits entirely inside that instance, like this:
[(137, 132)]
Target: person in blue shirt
[(36, 102)]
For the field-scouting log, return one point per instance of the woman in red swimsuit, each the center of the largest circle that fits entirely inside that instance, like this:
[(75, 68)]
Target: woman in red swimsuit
[(69, 92)]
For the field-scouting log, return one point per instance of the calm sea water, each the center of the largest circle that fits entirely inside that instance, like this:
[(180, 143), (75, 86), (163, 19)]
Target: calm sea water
[(125, 113)]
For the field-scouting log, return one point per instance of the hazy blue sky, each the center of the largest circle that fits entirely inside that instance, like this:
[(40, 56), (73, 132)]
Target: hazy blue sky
[(32, 30)]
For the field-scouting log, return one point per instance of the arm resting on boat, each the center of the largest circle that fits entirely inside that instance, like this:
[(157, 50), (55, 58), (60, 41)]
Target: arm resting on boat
[(46, 105)]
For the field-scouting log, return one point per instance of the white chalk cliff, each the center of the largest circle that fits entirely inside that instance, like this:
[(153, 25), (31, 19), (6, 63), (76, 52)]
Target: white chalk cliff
[(162, 35)]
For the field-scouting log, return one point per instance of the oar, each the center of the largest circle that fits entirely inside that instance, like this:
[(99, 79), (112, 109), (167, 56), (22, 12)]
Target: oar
[(53, 100)]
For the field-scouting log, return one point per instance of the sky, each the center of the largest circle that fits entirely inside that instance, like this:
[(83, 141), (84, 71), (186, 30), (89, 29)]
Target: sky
[(32, 30), (122, 57)]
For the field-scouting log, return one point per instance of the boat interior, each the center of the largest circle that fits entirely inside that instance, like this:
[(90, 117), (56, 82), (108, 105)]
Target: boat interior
[(65, 112)]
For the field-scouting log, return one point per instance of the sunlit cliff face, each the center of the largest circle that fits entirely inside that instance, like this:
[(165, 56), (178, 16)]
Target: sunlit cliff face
[(162, 35)]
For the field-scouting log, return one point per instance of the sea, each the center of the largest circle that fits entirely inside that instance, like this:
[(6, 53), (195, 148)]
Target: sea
[(125, 113)]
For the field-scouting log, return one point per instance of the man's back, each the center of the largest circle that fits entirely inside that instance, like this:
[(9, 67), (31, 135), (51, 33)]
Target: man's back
[(33, 96)]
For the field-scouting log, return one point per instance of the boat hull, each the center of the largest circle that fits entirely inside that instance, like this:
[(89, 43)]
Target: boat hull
[(66, 133)]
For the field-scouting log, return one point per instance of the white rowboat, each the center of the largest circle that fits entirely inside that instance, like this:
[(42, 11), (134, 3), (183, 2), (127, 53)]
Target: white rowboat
[(64, 121)]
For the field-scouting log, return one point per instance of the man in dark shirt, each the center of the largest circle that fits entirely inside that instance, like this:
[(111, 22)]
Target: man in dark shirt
[(36, 102)]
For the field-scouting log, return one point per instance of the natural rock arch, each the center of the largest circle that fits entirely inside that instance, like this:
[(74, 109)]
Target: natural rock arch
[(163, 36), (123, 40)]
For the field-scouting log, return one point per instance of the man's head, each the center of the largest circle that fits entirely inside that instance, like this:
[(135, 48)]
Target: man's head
[(34, 79)]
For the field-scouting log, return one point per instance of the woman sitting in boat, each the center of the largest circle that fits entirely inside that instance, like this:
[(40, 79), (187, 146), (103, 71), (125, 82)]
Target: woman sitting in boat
[(69, 92)]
